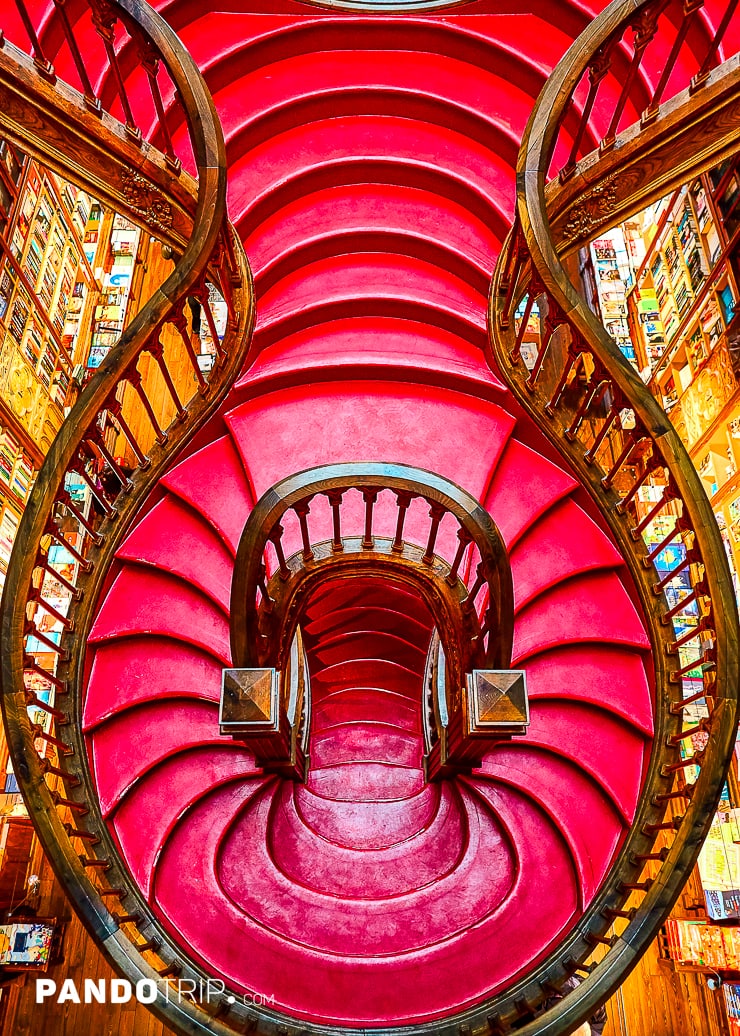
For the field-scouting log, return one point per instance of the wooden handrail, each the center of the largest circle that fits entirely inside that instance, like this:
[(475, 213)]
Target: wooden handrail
[(212, 259), (597, 412)]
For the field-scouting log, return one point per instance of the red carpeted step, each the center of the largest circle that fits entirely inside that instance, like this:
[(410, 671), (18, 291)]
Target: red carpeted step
[(146, 812), (213, 481), (545, 556), (360, 742), (142, 601), (139, 669), (273, 172), (602, 675), (356, 704), (588, 819), (365, 346), (333, 598), (592, 608), (339, 287), (367, 825), (602, 746), (340, 216), (128, 746), (427, 430), (524, 486), (378, 619), (365, 672), (345, 646)]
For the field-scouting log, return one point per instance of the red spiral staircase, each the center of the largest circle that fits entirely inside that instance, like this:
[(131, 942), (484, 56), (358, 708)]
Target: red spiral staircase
[(371, 160)]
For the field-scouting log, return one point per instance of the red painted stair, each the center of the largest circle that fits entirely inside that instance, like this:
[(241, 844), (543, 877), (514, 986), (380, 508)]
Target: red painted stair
[(371, 176), (370, 184)]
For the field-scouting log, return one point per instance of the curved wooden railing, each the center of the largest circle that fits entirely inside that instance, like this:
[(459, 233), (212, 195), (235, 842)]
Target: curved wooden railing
[(75, 130), (596, 411), (50, 765), (475, 622), (580, 390)]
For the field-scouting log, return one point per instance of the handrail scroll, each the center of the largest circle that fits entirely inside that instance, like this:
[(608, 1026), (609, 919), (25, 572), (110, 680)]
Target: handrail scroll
[(474, 623)]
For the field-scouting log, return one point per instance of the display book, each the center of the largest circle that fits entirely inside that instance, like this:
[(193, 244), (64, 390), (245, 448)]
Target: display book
[(28, 944), (712, 949), (614, 261), (731, 992), (715, 947), (116, 257)]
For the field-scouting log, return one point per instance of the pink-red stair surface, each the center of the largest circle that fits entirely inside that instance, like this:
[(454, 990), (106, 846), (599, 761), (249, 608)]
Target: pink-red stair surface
[(371, 178)]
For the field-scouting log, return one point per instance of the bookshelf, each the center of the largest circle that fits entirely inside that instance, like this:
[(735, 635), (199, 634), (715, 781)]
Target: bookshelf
[(681, 311), (665, 284), (682, 317), (682, 305), (46, 284), (67, 266)]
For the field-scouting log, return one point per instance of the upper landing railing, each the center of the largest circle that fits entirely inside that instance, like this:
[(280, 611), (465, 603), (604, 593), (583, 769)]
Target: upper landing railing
[(653, 106), (131, 150), (593, 153), (124, 135), (354, 519)]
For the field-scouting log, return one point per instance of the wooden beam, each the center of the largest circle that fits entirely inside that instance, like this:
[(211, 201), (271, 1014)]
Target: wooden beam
[(51, 122), (692, 133)]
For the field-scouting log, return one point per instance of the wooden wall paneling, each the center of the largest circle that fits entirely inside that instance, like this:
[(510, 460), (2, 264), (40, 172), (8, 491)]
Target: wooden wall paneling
[(657, 1001), (81, 959)]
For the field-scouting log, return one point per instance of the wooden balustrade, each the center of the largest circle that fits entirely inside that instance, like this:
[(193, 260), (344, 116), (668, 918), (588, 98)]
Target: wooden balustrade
[(599, 415), (76, 131), (269, 590), (658, 18), (115, 445), (115, 26), (602, 168)]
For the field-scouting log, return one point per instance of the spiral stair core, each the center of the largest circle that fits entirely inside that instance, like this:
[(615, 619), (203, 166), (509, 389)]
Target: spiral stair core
[(371, 162)]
